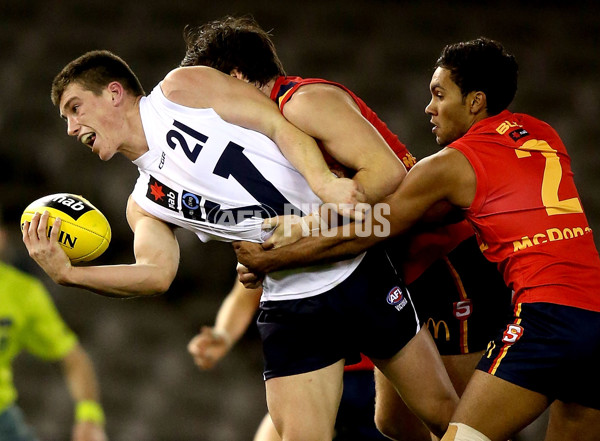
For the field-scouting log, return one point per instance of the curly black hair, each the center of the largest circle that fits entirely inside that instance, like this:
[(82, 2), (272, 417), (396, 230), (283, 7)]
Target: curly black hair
[(482, 65)]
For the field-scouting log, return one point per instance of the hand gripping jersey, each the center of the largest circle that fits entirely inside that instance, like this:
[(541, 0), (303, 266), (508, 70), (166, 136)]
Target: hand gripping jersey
[(527, 211), (220, 181), (422, 249)]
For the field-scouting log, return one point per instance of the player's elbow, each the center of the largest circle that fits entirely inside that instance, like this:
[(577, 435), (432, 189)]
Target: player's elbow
[(156, 280), (380, 188), (161, 282), (393, 178)]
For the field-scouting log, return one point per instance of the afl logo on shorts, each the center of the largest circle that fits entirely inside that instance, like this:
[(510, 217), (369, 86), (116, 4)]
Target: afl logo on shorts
[(396, 298)]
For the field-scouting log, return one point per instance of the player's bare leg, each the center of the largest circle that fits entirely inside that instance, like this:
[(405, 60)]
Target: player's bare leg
[(419, 376), (460, 369), (303, 407), (497, 408), (395, 420), (266, 430), (570, 422), (392, 417)]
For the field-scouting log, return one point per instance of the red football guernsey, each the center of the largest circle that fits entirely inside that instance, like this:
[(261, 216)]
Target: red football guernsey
[(527, 212), (422, 249), (285, 87)]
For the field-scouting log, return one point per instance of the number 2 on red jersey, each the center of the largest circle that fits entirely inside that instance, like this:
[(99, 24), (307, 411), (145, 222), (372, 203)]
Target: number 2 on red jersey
[(551, 179)]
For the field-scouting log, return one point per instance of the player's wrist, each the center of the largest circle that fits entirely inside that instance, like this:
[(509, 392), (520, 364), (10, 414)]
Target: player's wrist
[(224, 335), (323, 185), (310, 224), (89, 411), (64, 276), (317, 221)]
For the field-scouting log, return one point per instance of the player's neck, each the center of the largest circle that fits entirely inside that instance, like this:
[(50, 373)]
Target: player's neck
[(136, 144), (267, 88)]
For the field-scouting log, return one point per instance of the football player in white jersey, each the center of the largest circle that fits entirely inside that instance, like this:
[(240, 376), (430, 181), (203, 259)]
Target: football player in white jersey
[(204, 167)]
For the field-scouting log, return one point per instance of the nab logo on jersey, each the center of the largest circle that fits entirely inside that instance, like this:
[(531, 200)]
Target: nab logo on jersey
[(518, 134), (396, 298), (162, 195)]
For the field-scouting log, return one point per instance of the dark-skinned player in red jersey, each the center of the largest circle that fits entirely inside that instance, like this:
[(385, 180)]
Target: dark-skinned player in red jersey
[(449, 278), (510, 174)]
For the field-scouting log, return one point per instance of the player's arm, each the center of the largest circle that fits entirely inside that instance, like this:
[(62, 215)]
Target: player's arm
[(244, 105), (330, 115), (232, 321), (445, 176), (82, 382), (156, 258)]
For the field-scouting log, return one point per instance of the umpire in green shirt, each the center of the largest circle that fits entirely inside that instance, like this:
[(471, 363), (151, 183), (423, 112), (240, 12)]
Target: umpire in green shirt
[(29, 321)]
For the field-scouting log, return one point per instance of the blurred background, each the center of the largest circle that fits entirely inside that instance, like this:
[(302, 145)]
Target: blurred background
[(382, 50)]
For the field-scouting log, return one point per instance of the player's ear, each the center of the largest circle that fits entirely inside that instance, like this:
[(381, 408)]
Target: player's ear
[(116, 91), (237, 74), (477, 100)]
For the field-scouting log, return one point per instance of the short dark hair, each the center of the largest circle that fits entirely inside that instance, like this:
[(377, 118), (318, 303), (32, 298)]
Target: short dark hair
[(233, 43), (482, 65), (94, 70)]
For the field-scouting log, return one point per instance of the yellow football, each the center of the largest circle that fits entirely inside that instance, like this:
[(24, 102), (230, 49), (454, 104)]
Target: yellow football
[(85, 232)]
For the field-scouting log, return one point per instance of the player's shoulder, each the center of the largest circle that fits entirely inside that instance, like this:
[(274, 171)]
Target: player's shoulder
[(507, 122), (449, 165), (321, 89), (191, 73), (532, 122), (451, 172), (185, 83), (447, 158), (314, 96)]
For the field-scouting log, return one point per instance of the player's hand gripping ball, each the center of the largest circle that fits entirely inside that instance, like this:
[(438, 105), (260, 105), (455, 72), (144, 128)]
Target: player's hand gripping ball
[(85, 232)]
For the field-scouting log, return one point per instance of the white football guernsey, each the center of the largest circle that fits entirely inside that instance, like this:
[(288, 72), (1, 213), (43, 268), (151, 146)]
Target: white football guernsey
[(219, 181)]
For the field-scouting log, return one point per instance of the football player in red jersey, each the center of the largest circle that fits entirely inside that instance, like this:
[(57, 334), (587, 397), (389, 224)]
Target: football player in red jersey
[(510, 174)]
